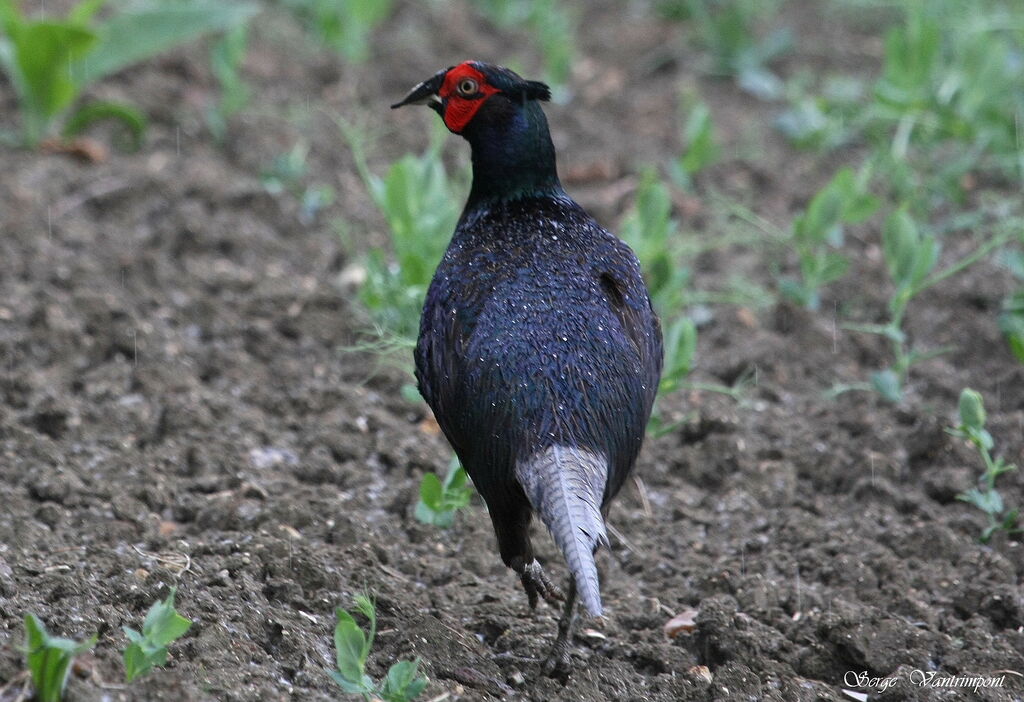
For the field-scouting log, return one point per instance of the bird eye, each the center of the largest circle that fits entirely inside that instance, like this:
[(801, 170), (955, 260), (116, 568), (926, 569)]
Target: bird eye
[(467, 87)]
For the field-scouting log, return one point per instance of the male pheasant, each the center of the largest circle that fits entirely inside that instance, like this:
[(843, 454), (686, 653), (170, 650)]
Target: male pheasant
[(539, 352)]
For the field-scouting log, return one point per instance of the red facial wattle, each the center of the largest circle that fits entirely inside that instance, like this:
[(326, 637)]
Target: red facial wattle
[(460, 110)]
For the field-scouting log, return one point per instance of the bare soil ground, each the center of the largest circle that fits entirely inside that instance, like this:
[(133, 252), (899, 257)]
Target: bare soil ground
[(177, 407)]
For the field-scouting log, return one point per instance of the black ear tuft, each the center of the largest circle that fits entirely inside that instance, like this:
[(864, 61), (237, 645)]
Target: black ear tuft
[(535, 90)]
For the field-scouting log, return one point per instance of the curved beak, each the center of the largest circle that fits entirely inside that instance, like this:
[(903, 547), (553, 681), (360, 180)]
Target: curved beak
[(426, 93)]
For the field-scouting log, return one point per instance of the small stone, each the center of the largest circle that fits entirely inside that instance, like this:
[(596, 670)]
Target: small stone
[(167, 528), (290, 531), (352, 276), (84, 666), (746, 318), (685, 621), (49, 514), (254, 491), (701, 672), (267, 457), (51, 488)]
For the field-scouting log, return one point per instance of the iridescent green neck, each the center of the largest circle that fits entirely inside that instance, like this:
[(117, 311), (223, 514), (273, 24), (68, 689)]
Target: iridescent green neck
[(513, 156)]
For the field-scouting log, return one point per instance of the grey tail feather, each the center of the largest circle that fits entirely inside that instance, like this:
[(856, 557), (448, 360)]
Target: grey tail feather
[(565, 486)]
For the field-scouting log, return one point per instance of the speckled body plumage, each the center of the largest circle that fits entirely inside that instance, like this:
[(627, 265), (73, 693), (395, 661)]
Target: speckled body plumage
[(524, 344), (538, 352)]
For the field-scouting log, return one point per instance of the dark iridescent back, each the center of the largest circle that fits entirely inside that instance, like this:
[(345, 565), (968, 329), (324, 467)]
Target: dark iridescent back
[(538, 331)]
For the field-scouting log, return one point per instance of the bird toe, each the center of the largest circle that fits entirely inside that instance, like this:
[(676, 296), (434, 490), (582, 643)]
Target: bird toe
[(537, 585)]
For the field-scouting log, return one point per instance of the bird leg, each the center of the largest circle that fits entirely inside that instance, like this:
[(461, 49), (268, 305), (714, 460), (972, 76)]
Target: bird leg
[(536, 583), (558, 663)]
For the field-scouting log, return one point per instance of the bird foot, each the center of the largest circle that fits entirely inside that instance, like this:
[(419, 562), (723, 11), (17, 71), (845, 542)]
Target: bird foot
[(536, 583), (558, 664)]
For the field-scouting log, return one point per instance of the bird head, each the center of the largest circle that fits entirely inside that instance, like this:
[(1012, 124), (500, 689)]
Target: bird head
[(459, 93)]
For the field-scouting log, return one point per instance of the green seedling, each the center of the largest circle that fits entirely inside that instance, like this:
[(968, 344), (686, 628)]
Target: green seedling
[(702, 149), (344, 26), (162, 626), (824, 121), (555, 28), (352, 649), (663, 249), (947, 104), (950, 97), (315, 198), (818, 235), (226, 59), (50, 62), (984, 497), (1013, 260), (1011, 321), (287, 173), (653, 234), (911, 257), (680, 341), (440, 500), (729, 30), (938, 83), (421, 205), (49, 659)]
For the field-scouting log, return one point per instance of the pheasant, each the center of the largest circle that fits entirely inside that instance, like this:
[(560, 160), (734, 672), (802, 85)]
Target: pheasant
[(538, 352)]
